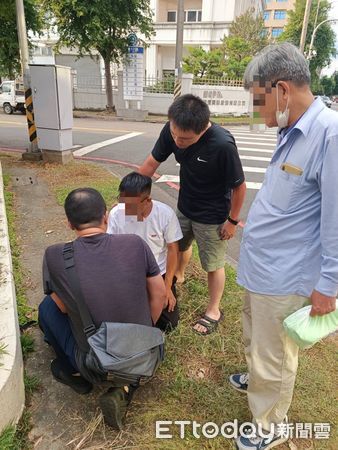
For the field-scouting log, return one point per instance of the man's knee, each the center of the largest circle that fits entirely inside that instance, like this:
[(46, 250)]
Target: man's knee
[(46, 311)]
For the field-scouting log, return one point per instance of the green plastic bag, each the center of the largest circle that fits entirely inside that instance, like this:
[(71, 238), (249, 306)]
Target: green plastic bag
[(306, 330)]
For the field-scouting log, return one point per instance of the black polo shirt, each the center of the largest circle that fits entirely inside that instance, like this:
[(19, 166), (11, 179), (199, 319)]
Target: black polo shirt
[(209, 170)]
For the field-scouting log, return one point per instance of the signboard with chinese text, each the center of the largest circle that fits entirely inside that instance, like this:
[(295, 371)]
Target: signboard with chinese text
[(133, 74)]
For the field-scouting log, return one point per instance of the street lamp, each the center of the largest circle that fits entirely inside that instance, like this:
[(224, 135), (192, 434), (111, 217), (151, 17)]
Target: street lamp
[(311, 52)]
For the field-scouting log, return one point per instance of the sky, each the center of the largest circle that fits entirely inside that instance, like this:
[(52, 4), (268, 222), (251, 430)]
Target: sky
[(333, 15)]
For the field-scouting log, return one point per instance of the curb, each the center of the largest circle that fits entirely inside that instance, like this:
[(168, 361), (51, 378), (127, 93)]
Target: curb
[(12, 391), (150, 119)]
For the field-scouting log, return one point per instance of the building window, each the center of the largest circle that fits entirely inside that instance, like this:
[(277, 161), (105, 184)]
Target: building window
[(276, 32), (191, 15), (281, 1), (266, 15), (264, 32), (42, 51), (171, 16), (279, 14)]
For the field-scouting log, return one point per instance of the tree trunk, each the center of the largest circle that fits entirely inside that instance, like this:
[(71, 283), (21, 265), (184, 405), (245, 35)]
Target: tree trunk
[(109, 86)]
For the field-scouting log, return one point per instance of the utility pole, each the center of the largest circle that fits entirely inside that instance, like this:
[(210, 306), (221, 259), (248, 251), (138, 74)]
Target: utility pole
[(305, 25), (33, 149), (179, 48)]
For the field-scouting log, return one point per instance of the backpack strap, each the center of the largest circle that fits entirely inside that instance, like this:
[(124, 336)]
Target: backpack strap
[(68, 256)]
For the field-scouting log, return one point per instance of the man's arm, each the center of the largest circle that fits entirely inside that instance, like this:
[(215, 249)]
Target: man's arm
[(149, 166), (172, 259), (237, 200), (323, 297), (157, 296)]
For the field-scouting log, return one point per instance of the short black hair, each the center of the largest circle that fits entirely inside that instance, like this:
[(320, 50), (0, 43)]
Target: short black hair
[(135, 184), (85, 206), (189, 112)]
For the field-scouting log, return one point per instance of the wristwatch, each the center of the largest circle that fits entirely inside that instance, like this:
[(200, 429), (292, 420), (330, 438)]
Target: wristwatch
[(233, 221)]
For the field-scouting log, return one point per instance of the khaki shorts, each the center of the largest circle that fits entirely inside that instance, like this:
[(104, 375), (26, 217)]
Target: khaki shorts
[(211, 248)]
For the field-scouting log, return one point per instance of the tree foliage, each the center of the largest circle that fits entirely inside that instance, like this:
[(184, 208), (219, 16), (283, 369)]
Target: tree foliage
[(203, 63), (324, 42), (9, 44), (101, 25), (246, 38)]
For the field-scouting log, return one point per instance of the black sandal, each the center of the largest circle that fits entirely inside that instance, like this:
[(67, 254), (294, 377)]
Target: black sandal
[(210, 324)]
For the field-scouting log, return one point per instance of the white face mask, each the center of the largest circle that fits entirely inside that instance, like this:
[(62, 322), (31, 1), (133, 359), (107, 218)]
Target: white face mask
[(282, 118)]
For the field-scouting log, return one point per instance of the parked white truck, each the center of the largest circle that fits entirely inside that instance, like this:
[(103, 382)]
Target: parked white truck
[(12, 97)]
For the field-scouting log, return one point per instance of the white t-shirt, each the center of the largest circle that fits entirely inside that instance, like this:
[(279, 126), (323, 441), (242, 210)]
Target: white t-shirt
[(160, 228)]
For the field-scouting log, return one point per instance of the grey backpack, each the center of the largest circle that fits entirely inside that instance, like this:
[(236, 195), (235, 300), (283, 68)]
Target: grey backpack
[(127, 353)]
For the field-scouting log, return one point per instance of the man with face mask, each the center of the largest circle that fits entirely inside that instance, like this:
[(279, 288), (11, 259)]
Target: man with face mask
[(289, 251)]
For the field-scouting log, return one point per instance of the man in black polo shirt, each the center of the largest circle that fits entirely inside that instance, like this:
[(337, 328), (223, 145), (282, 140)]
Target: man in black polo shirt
[(212, 191)]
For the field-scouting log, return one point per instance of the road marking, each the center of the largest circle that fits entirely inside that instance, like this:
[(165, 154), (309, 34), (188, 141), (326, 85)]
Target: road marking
[(254, 169), (93, 147), (16, 124), (106, 130), (256, 150), (253, 186), (176, 179), (165, 178), (255, 158), (263, 144), (114, 130), (254, 138)]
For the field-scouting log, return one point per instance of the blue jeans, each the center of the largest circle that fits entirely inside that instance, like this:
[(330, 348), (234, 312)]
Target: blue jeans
[(58, 333)]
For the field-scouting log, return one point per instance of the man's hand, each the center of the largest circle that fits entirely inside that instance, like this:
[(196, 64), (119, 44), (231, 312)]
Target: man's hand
[(321, 304), (171, 300), (228, 231)]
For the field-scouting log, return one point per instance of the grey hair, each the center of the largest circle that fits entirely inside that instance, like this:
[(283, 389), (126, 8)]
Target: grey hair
[(278, 62)]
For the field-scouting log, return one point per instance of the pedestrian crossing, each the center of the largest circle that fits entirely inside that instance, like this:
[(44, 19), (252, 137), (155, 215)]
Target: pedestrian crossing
[(255, 150)]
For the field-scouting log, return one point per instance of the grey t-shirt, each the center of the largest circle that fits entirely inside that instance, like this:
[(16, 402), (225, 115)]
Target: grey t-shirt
[(112, 271)]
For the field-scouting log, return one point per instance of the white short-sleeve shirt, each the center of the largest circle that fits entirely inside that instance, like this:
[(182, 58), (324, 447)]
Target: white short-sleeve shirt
[(160, 228)]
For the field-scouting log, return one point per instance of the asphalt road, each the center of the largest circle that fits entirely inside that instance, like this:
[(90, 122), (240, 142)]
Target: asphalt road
[(125, 144)]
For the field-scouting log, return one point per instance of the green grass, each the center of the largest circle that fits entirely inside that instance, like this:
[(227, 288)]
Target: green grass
[(192, 383), (16, 438), (27, 344), (24, 311), (32, 383)]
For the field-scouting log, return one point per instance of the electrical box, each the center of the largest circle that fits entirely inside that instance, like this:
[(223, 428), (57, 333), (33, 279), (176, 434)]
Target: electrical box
[(53, 106)]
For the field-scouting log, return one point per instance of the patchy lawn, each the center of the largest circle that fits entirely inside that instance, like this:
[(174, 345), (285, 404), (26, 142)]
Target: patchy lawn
[(192, 382)]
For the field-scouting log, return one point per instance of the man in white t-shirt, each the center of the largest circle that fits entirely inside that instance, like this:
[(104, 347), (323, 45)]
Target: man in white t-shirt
[(157, 224)]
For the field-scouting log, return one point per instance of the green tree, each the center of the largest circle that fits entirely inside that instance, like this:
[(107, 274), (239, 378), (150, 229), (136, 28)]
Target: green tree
[(335, 79), (324, 42), (328, 85), (101, 25), (204, 63), (9, 44), (246, 38)]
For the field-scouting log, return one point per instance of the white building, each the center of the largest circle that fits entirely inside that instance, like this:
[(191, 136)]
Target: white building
[(206, 23)]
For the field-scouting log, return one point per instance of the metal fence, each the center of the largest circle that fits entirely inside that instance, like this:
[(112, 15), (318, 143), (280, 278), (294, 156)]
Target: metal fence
[(154, 85), (218, 81), (91, 84)]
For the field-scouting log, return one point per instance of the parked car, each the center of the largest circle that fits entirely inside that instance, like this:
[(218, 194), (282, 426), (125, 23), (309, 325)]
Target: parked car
[(12, 97), (326, 100)]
